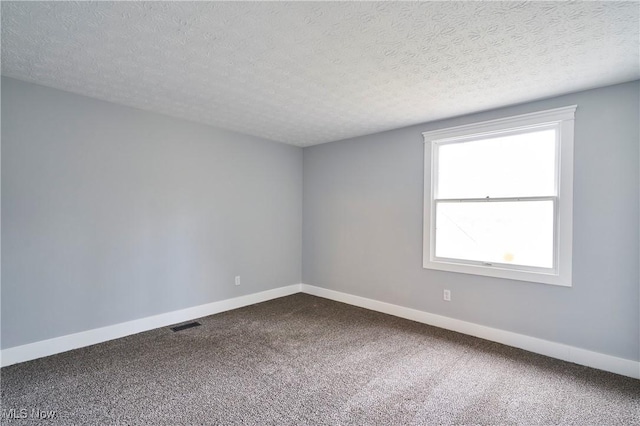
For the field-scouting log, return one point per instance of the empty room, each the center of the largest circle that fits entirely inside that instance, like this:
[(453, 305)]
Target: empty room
[(305, 213)]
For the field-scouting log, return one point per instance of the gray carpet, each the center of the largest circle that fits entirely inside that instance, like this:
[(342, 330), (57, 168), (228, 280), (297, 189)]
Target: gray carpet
[(306, 360)]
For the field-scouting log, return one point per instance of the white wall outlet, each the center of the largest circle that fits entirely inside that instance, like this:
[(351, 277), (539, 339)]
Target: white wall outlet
[(237, 280), (447, 295)]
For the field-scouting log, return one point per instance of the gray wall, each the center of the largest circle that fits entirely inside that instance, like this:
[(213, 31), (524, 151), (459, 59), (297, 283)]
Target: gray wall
[(362, 230), (111, 214)]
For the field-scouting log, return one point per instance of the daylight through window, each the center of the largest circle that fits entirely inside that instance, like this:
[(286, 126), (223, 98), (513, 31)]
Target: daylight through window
[(498, 198)]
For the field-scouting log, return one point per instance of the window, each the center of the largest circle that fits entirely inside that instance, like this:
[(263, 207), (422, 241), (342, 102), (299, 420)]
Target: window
[(498, 197)]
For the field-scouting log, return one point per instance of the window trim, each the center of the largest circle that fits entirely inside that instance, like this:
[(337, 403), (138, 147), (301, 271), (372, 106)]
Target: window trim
[(560, 118)]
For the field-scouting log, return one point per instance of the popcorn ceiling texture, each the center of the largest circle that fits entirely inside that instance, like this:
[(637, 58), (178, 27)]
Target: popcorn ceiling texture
[(307, 73)]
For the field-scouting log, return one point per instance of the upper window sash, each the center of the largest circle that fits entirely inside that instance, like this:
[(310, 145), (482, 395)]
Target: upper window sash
[(488, 147)]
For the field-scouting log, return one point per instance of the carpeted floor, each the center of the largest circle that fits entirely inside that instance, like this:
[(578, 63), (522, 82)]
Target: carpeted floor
[(306, 360)]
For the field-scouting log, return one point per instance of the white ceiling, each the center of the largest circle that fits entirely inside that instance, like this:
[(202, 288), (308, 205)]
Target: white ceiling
[(307, 73)]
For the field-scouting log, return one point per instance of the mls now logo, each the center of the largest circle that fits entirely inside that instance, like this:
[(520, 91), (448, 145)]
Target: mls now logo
[(23, 413)]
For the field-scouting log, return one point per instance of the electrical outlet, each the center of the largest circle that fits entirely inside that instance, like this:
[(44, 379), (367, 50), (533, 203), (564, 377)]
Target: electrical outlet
[(447, 295), (238, 280)]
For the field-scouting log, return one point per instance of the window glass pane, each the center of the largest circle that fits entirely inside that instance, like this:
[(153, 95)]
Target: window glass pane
[(517, 232), (509, 166)]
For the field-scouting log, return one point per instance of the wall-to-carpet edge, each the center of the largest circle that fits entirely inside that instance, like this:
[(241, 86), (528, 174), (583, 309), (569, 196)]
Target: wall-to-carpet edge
[(580, 356)]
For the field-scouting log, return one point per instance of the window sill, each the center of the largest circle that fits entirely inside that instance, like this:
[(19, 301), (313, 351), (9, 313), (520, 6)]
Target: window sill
[(562, 279)]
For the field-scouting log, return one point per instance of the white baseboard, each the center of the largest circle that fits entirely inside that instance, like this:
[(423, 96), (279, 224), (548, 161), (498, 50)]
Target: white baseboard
[(69, 342), (585, 357), (98, 335)]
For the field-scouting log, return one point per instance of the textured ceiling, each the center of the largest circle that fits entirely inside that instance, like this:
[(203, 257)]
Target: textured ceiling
[(307, 73)]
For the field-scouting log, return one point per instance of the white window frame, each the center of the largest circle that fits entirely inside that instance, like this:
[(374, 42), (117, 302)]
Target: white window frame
[(561, 119)]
